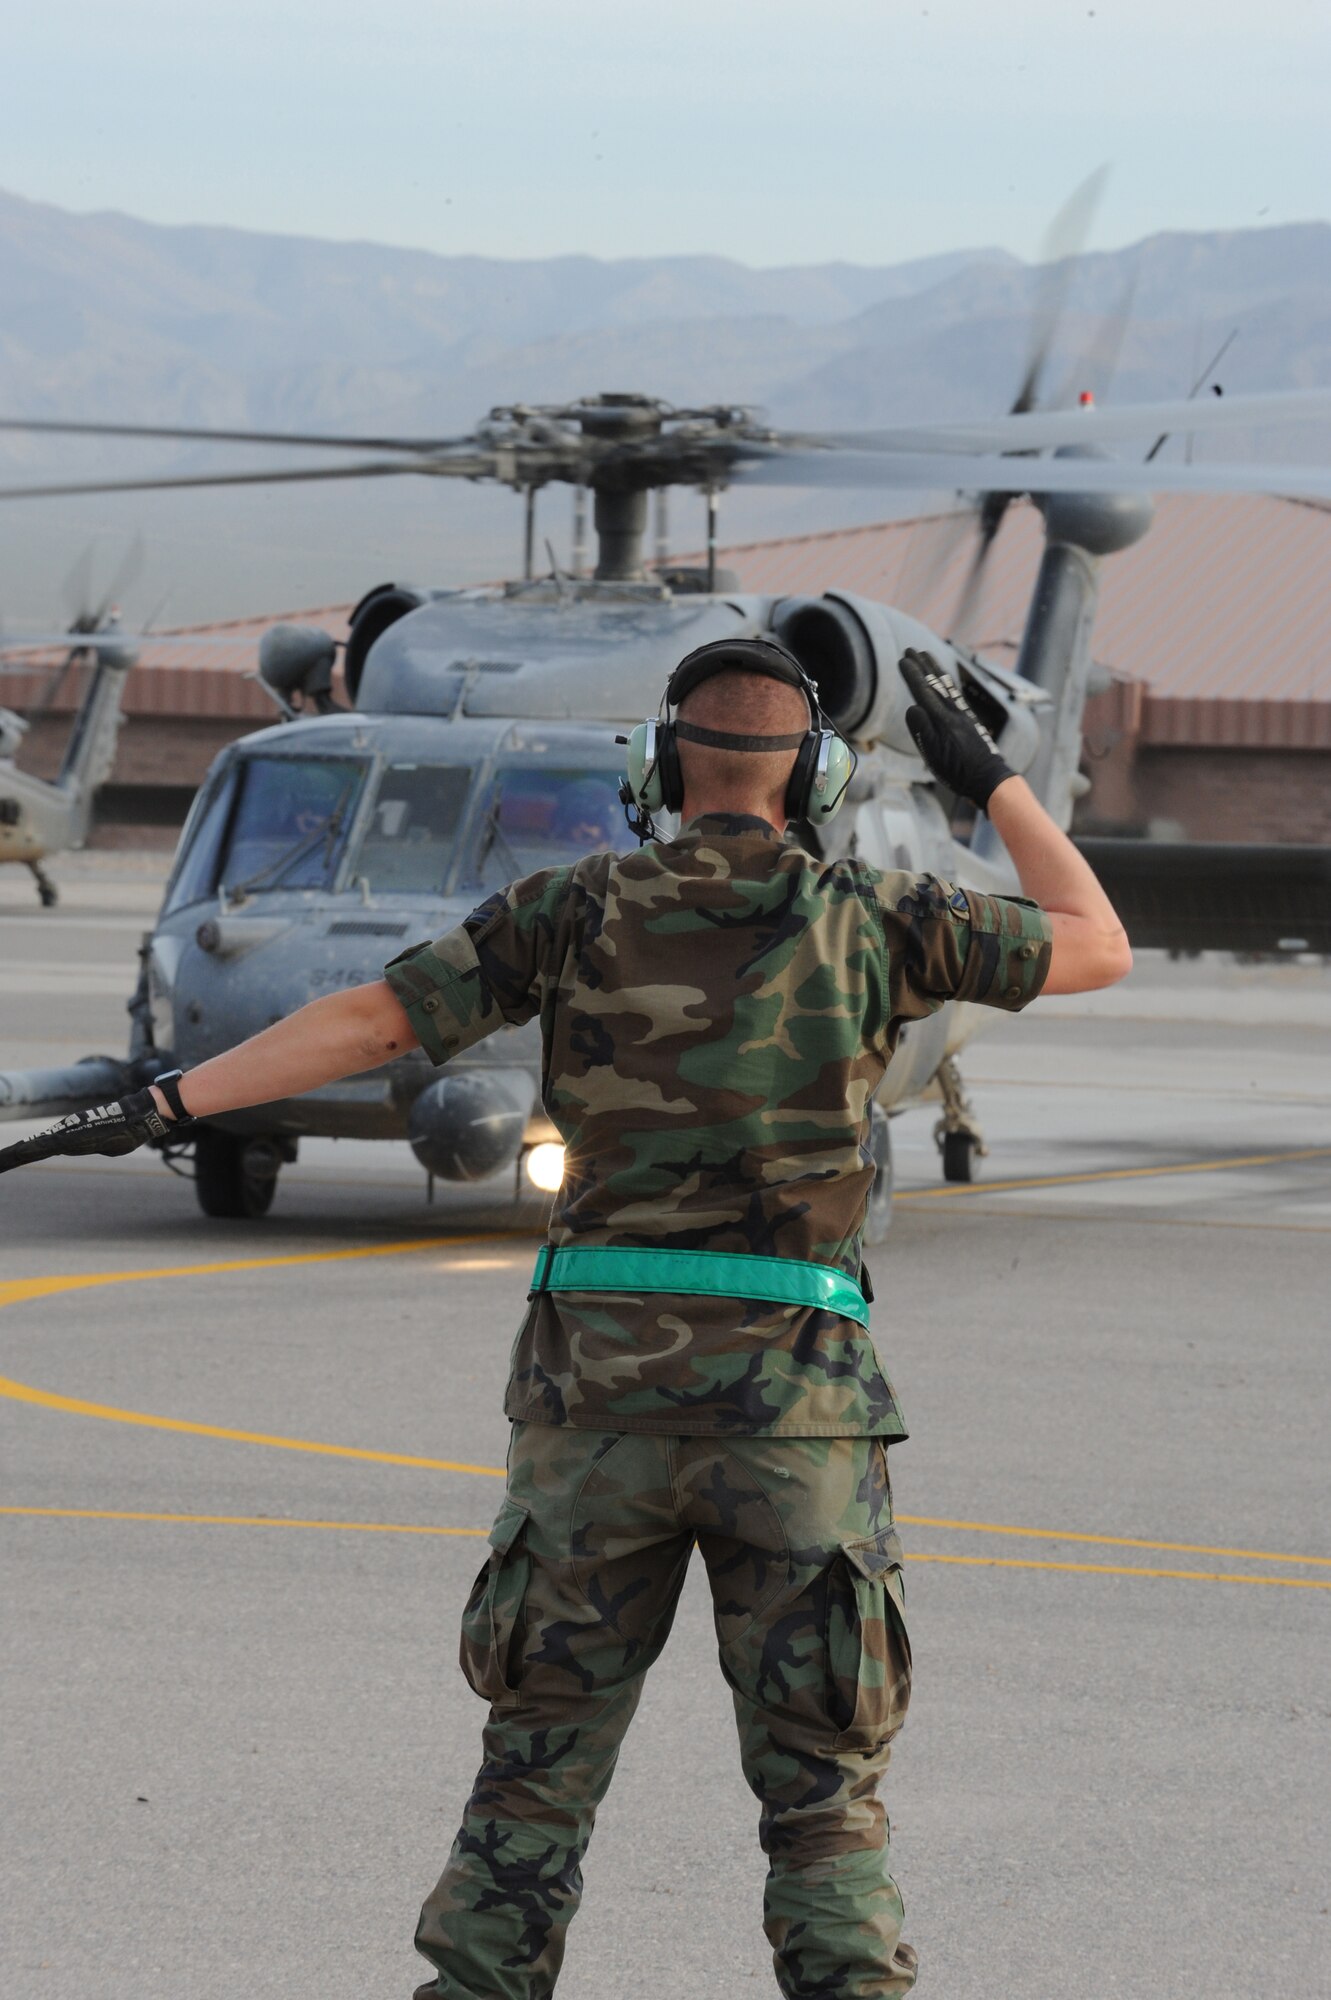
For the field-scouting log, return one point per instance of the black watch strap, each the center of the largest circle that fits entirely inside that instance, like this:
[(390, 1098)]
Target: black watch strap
[(169, 1085)]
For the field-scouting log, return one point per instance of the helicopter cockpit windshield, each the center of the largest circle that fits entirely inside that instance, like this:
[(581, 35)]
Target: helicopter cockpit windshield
[(539, 817), (268, 823), (407, 842), (277, 822)]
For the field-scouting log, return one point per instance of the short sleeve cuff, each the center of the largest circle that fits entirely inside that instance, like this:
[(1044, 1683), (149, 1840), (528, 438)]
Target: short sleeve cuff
[(443, 994), (1008, 951)]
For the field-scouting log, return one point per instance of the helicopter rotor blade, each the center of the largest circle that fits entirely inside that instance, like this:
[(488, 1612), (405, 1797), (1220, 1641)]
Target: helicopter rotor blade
[(933, 544), (933, 472), (76, 589), (371, 470), (990, 516), (1063, 243), (122, 577), (1038, 430), (1094, 371), (316, 440)]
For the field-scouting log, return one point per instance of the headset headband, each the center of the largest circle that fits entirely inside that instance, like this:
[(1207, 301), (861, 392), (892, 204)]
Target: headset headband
[(749, 656), (726, 739), (824, 762)]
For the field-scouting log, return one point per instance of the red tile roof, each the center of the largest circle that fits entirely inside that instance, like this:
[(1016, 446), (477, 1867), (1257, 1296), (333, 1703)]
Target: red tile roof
[(1221, 615), (1226, 597)]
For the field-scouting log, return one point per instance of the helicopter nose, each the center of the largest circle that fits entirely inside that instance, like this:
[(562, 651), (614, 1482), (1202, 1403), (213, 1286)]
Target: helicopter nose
[(470, 1124)]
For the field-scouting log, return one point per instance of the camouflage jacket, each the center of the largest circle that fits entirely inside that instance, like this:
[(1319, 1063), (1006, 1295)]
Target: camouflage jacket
[(716, 1012)]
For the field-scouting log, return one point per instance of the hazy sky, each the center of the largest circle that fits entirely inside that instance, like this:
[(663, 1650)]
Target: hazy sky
[(770, 130)]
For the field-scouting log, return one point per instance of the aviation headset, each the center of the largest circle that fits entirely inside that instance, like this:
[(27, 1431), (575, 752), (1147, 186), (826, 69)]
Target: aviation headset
[(822, 769)]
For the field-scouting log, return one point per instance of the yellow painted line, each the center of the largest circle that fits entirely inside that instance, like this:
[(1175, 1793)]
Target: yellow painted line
[(73, 1406), (1117, 1218), (236, 1521), (1104, 1541), (418, 1528), (1113, 1174), (14, 1290), (17, 1290), (1124, 1569)]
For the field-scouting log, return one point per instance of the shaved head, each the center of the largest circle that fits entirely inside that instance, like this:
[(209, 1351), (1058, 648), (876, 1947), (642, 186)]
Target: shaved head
[(747, 704)]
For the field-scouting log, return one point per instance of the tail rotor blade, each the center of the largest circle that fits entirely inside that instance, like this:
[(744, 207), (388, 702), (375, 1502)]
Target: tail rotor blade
[(992, 510), (1063, 243), (77, 589), (126, 574)]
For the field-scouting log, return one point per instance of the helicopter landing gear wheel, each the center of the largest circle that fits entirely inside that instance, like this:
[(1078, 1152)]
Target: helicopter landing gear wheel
[(957, 1133), (234, 1179), (46, 888), (878, 1215), (958, 1156)]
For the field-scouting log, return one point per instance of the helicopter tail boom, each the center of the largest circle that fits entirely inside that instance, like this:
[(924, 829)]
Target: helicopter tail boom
[(91, 750)]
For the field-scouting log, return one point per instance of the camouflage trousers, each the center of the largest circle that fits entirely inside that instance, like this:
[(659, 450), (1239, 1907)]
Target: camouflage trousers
[(586, 1562)]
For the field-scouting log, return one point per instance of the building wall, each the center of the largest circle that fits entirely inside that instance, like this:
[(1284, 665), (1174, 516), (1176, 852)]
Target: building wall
[(1143, 778), (1263, 795)]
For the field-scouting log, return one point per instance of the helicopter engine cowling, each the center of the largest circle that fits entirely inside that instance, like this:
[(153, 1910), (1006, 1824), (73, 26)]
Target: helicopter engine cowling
[(850, 646), (469, 1124), (371, 618)]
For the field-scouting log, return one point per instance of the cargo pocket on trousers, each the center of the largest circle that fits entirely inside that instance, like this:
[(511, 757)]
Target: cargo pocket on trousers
[(491, 1623), (868, 1649)]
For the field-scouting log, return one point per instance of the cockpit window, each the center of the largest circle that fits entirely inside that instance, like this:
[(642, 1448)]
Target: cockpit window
[(289, 823), (195, 878), (407, 844), (537, 817)]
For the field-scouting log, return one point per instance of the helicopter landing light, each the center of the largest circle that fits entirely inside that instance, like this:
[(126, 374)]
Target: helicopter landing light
[(545, 1166)]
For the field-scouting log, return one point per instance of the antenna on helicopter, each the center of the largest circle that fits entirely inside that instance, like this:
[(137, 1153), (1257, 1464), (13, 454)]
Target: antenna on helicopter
[(1196, 390)]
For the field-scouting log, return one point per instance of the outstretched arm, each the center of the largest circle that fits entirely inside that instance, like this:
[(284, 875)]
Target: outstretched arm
[(337, 1036)]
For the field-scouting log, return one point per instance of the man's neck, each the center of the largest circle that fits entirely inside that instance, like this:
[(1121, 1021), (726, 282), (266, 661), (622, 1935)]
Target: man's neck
[(696, 804)]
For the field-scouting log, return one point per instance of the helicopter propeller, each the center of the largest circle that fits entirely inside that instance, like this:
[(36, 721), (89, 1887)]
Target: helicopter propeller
[(1063, 243), (635, 442)]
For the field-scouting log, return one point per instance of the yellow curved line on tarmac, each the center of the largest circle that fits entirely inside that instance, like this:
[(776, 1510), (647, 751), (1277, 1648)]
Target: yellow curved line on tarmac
[(15, 1291), (1113, 1174), (417, 1528), (45, 1399)]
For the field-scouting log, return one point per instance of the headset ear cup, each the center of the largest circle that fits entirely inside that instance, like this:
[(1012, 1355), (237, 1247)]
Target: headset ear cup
[(669, 776), (826, 803), (644, 784), (800, 784)]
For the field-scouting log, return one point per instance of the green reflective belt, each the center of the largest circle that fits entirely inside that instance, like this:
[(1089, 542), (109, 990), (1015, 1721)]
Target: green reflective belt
[(780, 1280)]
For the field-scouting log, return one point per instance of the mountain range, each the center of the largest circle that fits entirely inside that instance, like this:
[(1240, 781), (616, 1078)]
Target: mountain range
[(109, 318)]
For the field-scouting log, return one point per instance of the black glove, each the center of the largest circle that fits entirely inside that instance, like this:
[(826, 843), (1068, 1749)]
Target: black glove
[(108, 1128), (952, 741)]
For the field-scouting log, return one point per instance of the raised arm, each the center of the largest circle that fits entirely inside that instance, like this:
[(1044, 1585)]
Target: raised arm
[(1090, 945)]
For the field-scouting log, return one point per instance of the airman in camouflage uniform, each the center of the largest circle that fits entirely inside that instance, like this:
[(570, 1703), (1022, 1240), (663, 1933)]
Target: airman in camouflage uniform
[(716, 1012)]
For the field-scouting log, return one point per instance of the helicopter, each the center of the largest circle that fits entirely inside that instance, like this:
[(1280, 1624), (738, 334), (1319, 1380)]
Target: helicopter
[(40, 817), (482, 742)]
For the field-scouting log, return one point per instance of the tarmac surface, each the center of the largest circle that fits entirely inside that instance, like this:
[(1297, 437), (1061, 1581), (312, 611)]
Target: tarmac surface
[(245, 1470)]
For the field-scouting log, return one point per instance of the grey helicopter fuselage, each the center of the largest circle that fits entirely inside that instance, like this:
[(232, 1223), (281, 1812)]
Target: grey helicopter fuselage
[(469, 699), (481, 747)]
